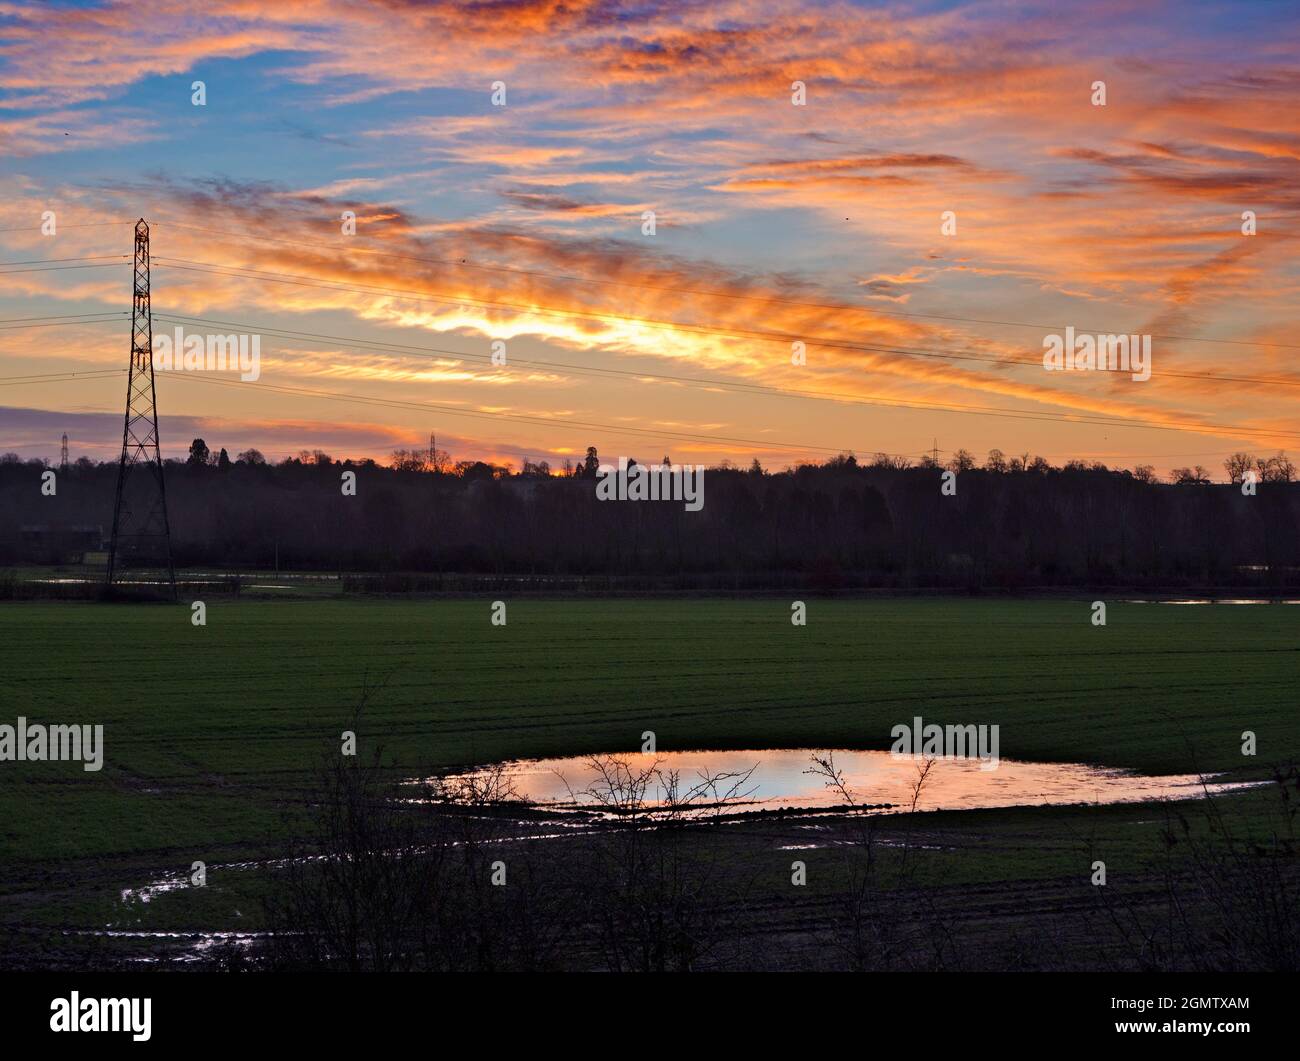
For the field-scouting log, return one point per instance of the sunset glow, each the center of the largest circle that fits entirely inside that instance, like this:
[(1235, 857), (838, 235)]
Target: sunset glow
[(774, 223)]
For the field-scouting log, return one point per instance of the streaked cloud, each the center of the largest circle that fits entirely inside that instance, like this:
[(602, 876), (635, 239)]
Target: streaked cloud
[(820, 222)]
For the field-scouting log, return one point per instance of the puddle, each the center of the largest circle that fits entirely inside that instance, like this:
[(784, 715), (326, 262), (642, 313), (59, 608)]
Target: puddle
[(1214, 600), (183, 947), (739, 782), (177, 881), (753, 780), (768, 780)]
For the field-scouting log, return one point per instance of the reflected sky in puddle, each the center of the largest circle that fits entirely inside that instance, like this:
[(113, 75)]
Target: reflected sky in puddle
[(782, 779)]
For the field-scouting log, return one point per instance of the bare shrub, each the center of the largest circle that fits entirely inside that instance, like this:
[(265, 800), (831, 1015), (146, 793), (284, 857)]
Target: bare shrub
[(887, 919), (659, 897), (1226, 892)]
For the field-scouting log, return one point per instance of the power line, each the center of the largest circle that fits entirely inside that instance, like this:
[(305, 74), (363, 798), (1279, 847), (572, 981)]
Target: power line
[(370, 400), (1091, 419), (548, 421), (59, 316), (61, 268), (1084, 419), (743, 387), (82, 258), (62, 324), (60, 377), (563, 422), (740, 386), (772, 299), (432, 353), (723, 382), (239, 272), (71, 376), (60, 225)]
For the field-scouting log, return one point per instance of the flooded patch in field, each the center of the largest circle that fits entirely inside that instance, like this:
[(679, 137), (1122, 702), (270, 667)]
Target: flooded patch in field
[(180, 947), (1214, 600), (174, 881), (753, 780)]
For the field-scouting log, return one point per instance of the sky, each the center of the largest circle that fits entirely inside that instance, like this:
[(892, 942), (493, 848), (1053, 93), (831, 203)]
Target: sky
[(944, 192)]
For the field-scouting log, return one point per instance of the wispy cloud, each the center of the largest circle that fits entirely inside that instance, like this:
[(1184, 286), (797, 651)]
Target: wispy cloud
[(819, 221)]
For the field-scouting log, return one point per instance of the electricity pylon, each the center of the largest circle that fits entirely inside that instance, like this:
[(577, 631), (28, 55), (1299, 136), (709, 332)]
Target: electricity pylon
[(141, 531)]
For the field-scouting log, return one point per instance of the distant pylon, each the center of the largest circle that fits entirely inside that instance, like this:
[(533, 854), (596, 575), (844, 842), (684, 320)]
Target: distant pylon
[(141, 531), (63, 457)]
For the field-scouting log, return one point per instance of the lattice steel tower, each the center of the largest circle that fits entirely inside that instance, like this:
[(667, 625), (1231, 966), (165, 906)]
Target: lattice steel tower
[(141, 531)]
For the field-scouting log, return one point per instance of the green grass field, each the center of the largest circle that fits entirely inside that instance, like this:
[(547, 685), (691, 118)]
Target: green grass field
[(207, 728), (213, 733)]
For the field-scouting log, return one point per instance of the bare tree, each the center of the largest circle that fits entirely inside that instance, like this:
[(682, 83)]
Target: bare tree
[(962, 461), (1237, 465), (1277, 469)]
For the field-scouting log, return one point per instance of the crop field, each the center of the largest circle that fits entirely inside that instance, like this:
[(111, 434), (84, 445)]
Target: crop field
[(206, 728), (212, 733)]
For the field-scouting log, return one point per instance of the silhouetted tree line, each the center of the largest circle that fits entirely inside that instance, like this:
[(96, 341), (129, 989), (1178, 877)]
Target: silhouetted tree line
[(1013, 522)]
